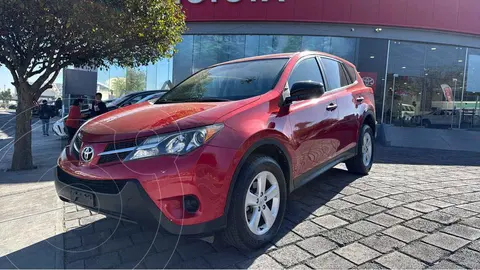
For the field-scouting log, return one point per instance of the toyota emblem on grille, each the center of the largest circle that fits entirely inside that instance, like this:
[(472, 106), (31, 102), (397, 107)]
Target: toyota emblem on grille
[(87, 154)]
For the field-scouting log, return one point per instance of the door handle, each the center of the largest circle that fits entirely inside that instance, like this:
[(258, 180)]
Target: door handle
[(332, 107), (360, 99)]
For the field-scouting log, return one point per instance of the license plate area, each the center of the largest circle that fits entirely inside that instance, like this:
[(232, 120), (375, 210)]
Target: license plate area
[(82, 197)]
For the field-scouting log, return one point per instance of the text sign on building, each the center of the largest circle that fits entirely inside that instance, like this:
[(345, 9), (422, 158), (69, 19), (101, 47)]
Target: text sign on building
[(215, 1)]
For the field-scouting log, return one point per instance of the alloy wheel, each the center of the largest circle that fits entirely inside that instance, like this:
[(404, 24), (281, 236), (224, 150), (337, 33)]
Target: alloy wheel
[(367, 149), (262, 203)]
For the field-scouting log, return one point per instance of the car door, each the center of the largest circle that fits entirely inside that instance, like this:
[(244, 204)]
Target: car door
[(440, 118), (348, 101), (311, 121)]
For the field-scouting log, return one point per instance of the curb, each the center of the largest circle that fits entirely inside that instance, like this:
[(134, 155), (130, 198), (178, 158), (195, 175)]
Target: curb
[(381, 137)]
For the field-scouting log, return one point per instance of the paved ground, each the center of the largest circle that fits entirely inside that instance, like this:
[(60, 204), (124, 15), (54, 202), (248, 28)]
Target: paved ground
[(31, 215), (407, 213)]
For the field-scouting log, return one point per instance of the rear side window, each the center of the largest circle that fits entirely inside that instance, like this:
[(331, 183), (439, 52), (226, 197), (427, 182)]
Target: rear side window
[(351, 72), (334, 73), (306, 70)]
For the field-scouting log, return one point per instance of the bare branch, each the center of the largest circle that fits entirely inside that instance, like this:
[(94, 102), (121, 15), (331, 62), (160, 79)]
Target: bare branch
[(49, 83), (11, 68)]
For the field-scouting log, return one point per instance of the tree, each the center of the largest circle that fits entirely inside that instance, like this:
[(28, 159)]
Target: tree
[(5, 97), (118, 85), (40, 37), (135, 81)]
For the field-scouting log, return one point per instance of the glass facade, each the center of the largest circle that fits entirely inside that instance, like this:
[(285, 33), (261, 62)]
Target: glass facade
[(423, 81), (200, 51), (415, 84), (429, 80), (115, 81)]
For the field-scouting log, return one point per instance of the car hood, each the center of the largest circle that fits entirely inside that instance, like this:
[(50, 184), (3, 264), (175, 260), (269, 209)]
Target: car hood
[(145, 119)]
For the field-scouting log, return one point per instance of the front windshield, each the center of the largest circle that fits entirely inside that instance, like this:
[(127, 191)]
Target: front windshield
[(228, 82)]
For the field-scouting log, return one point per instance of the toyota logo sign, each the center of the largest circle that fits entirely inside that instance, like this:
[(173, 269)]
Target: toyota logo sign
[(368, 81), (87, 154)]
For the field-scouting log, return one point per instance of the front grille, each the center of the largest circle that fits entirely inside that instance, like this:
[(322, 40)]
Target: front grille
[(118, 146), (100, 186), (113, 157), (77, 144), (123, 144)]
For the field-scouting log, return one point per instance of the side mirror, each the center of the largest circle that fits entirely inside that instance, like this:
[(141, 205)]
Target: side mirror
[(305, 90)]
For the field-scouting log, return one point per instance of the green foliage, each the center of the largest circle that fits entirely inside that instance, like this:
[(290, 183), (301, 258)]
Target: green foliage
[(5, 97), (40, 37), (136, 80), (133, 82)]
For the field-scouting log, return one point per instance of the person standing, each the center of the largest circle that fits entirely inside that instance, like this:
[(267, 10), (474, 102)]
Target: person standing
[(74, 118), (58, 105), (98, 106), (45, 113)]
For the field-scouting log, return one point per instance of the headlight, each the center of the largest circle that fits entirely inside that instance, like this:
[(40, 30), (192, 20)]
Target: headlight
[(177, 143)]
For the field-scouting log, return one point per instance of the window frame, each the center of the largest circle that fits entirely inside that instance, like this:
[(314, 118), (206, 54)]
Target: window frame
[(352, 80), (344, 71), (299, 61)]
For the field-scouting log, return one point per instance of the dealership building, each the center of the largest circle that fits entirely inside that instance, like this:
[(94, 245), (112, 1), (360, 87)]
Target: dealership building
[(430, 48), (420, 57)]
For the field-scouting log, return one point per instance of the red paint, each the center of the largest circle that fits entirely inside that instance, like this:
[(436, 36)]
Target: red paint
[(449, 15), (310, 135)]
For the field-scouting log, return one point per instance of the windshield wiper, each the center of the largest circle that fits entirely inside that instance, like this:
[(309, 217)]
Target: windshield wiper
[(207, 99), (165, 101)]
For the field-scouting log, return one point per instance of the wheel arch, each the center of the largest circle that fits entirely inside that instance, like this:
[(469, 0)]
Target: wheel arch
[(270, 147), (369, 119)]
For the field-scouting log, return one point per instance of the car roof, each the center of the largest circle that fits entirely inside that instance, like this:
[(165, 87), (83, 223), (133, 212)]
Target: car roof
[(283, 55), (145, 92)]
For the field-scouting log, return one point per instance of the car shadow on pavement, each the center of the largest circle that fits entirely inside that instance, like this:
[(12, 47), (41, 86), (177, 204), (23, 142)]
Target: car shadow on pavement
[(99, 242)]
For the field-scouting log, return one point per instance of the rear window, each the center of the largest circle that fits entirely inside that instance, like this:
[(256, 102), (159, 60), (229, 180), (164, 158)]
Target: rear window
[(351, 72), (336, 77)]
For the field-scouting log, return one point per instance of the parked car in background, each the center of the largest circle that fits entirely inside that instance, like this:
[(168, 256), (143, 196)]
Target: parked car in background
[(152, 98), (408, 111), (445, 119), (132, 98), (438, 118), (220, 152)]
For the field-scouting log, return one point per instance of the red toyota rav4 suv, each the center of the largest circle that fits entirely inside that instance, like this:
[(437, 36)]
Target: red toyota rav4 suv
[(222, 150)]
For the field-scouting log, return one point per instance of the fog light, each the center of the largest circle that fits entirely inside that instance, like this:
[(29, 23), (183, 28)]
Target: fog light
[(190, 204)]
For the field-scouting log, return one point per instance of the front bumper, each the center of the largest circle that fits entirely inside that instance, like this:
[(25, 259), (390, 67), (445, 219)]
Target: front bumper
[(59, 129), (127, 200)]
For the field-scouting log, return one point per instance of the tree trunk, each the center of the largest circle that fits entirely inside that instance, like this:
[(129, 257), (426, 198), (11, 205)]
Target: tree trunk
[(22, 155)]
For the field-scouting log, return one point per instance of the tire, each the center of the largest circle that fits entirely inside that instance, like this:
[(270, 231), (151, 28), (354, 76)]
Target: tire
[(238, 233), (426, 123), (357, 164)]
